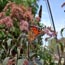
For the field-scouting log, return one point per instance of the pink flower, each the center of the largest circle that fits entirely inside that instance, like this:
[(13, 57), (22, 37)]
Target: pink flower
[(1, 21), (28, 15), (8, 22), (49, 32), (2, 15), (24, 25)]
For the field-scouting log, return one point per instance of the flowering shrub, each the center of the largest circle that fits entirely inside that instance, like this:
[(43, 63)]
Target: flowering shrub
[(15, 23)]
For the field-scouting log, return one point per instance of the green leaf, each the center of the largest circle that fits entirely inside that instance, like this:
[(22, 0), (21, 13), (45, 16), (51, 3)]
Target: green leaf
[(8, 12), (2, 4), (2, 26), (2, 35), (9, 35), (15, 31), (61, 46)]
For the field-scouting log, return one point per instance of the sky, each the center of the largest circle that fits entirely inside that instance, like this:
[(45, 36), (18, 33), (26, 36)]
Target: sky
[(57, 12)]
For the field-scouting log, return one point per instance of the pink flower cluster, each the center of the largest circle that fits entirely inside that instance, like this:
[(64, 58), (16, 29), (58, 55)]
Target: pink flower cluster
[(7, 21), (49, 32), (19, 11), (23, 14), (28, 15), (24, 25)]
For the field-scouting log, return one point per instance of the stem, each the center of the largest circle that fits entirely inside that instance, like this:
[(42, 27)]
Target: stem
[(17, 59), (59, 62), (28, 50)]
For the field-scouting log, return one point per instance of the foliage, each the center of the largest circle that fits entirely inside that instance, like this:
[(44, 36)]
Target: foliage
[(58, 46), (19, 28), (2, 4), (27, 3), (46, 55)]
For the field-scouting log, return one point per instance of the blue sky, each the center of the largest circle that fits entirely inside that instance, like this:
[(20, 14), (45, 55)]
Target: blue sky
[(58, 16), (57, 12)]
